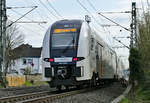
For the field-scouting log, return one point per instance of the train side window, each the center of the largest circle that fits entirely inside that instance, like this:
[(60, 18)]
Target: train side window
[(96, 49), (92, 43)]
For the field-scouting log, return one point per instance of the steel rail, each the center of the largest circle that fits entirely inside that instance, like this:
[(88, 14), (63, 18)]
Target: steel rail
[(16, 98), (47, 99), (39, 97)]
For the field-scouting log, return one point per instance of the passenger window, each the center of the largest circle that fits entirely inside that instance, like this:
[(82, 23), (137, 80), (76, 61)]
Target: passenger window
[(96, 49), (92, 43)]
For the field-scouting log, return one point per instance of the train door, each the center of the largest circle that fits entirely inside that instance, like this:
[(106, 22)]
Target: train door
[(99, 65), (116, 72), (101, 61), (97, 58)]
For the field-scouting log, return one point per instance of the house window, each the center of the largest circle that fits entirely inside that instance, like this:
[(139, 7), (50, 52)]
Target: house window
[(30, 61), (27, 61), (24, 61)]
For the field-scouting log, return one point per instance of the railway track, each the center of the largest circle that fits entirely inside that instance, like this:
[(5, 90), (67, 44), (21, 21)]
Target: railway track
[(5, 92), (17, 98), (41, 97)]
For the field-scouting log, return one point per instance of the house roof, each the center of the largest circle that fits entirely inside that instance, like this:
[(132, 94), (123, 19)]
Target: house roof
[(26, 50)]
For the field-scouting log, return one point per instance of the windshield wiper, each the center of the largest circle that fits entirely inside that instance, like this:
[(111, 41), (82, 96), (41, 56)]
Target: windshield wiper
[(72, 42), (68, 46)]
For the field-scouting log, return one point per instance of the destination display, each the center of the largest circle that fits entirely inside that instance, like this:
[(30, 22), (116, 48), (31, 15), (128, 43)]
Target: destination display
[(65, 30)]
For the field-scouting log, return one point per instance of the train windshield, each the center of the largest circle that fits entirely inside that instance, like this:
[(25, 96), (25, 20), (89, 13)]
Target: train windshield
[(63, 40)]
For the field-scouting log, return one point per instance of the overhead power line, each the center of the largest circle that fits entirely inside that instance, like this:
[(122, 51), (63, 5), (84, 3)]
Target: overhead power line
[(92, 5), (30, 29), (50, 4), (128, 37), (21, 7), (48, 9), (114, 22), (21, 17), (109, 39), (117, 47), (26, 17), (78, 1), (148, 3), (108, 25), (107, 17), (121, 43), (39, 13), (115, 12), (39, 22), (95, 11)]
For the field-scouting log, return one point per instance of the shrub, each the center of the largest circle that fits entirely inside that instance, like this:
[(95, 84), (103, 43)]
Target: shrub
[(27, 83)]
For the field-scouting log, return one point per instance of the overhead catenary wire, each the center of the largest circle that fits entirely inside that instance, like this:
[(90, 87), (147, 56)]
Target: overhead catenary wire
[(128, 37), (30, 29), (35, 2), (41, 16), (93, 7), (32, 22), (95, 11), (50, 4), (114, 22), (116, 12), (78, 1), (21, 17), (26, 17), (117, 24), (97, 29), (107, 17), (121, 43), (48, 9), (148, 4), (93, 17), (21, 7)]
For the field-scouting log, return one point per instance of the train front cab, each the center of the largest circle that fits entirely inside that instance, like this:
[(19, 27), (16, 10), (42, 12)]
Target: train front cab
[(68, 66)]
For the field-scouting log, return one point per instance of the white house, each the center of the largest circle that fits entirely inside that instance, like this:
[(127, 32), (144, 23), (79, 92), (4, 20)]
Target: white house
[(26, 56)]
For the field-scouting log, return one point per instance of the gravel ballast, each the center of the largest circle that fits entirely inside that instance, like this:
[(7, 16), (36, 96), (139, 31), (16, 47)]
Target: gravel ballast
[(103, 95), (22, 90)]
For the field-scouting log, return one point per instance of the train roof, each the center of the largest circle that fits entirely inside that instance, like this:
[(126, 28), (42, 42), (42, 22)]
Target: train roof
[(66, 21), (100, 40), (79, 23)]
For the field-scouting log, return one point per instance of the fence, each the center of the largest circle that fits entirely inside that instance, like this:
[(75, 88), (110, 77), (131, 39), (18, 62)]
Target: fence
[(15, 80)]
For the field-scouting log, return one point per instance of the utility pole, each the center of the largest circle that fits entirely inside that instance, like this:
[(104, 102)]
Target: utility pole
[(3, 20), (133, 41)]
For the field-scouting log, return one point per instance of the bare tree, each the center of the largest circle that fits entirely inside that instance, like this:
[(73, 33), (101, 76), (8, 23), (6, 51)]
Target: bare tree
[(14, 38)]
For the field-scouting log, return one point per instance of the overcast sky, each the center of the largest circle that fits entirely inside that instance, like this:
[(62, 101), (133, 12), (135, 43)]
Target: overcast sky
[(71, 9)]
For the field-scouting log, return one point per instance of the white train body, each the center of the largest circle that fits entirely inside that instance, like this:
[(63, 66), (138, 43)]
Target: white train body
[(74, 54)]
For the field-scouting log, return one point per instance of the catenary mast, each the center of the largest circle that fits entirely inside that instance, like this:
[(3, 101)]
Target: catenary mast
[(3, 19)]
